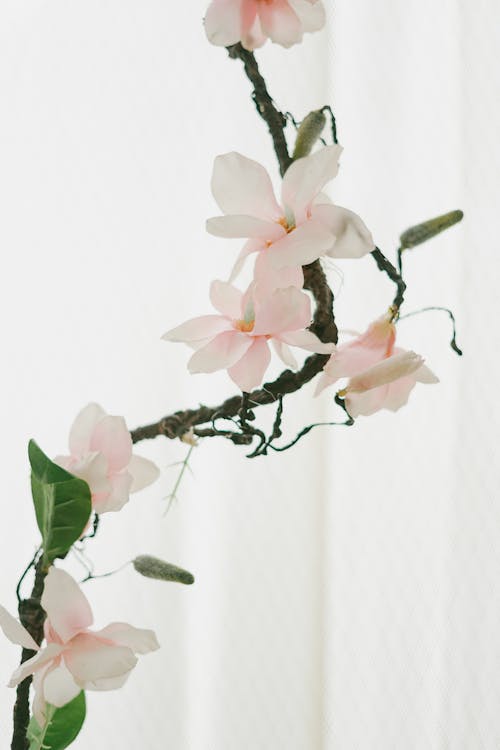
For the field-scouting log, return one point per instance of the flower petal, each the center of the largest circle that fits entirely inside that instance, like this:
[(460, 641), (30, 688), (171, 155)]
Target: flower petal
[(83, 427), (268, 279), (238, 225), (311, 14), (226, 299), (352, 237), (286, 310), (93, 469), (223, 22), (284, 353), (91, 659), (384, 372), (117, 497), (139, 640), (43, 657), (306, 177), (111, 683), (59, 686), (425, 375), (242, 186), (307, 340), (367, 403), (15, 632), (303, 245), (222, 352), (112, 438), (143, 472), (65, 604), (252, 246), (249, 371), (197, 329), (280, 23)]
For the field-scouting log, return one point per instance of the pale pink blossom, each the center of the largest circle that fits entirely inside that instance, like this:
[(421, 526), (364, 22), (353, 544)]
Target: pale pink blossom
[(381, 376), (290, 234), (74, 658), (251, 22), (237, 340), (100, 449)]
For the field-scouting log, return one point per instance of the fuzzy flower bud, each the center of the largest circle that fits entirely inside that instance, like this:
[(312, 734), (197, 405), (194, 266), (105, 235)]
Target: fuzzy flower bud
[(153, 567), (422, 232), (309, 131)]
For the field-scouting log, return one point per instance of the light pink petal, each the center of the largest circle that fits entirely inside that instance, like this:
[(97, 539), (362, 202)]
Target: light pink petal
[(311, 14), (89, 659), (280, 23), (367, 403), (242, 186), (286, 310), (15, 632), (65, 604), (82, 429), (43, 657), (284, 353), (252, 246), (197, 329), (139, 640), (226, 299), (384, 372), (308, 341), (222, 352), (268, 279), (39, 704), (93, 469), (117, 497), (398, 392), (351, 359), (143, 472), (425, 375), (59, 686), (306, 177), (301, 246), (324, 381), (236, 226), (248, 372), (253, 36), (112, 438), (111, 683), (223, 22), (352, 238)]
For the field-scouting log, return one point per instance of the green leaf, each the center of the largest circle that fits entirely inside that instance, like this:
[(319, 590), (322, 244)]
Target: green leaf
[(62, 727), (62, 504)]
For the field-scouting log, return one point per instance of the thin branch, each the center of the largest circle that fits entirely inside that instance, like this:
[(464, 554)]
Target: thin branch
[(453, 342), (385, 265)]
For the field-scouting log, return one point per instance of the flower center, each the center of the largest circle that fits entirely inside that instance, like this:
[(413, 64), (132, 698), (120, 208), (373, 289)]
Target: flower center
[(244, 325)]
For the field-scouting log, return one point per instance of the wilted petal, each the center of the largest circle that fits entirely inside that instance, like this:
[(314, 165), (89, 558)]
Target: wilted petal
[(223, 22), (83, 427), (236, 226), (15, 632), (306, 177), (59, 686), (141, 641), (65, 604), (222, 352), (249, 371), (352, 237), (280, 23), (425, 375), (197, 329), (90, 659), (43, 657), (112, 438), (303, 245), (143, 472), (242, 186), (307, 340), (286, 310), (226, 299)]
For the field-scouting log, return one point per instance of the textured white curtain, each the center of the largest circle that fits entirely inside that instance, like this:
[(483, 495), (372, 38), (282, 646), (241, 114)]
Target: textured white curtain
[(346, 593)]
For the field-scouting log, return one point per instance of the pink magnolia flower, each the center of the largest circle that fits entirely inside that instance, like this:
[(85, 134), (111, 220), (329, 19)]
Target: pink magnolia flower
[(237, 339), (294, 233), (381, 375), (74, 657), (101, 453), (251, 22)]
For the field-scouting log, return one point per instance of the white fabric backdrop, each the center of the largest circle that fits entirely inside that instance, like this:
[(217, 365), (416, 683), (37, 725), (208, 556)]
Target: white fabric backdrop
[(347, 595)]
